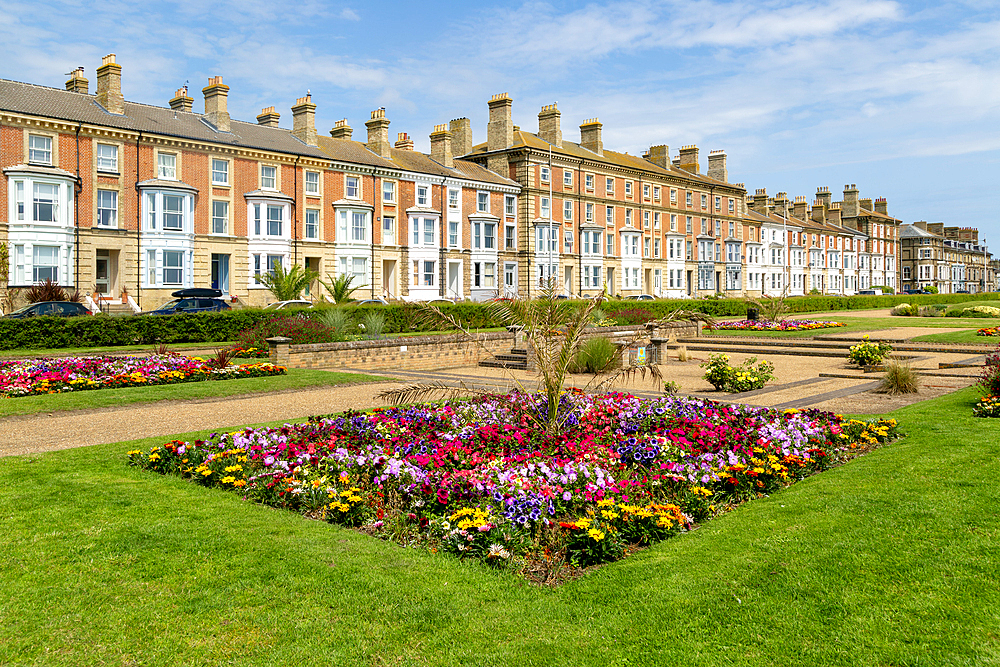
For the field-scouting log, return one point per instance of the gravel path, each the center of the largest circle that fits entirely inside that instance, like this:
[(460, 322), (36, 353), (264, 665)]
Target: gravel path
[(30, 434)]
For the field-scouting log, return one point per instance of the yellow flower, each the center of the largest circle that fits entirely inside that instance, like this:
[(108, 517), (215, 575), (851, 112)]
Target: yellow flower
[(596, 535)]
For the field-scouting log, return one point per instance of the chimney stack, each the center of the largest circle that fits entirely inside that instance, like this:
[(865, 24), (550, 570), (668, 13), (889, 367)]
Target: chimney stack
[(216, 95), (304, 120), (499, 132), (341, 130), (717, 166), (461, 136), (403, 142), (881, 206), (378, 134), (590, 136), (800, 208), (441, 146), (548, 125), (268, 117), (760, 202), (689, 159), (77, 83), (819, 211), (181, 101), (109, 85), (849, 209), (823, 196), (834, 215), (866, 204), (660, 156)]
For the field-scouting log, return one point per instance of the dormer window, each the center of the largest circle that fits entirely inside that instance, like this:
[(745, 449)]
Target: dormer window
[(39, 149), (166, 164), (352, 187), (268, 177)]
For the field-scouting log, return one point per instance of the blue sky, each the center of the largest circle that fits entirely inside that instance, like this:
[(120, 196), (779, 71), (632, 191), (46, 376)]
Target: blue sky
[(902, 98)]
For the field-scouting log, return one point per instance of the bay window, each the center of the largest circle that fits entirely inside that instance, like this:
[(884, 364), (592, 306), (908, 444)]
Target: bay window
[(45, 264)]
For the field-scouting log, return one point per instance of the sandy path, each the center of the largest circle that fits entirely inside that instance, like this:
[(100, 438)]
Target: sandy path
[(63, 430)]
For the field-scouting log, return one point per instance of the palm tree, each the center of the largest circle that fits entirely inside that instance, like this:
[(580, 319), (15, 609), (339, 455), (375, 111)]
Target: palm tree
[(554, 331), (287, 286), (339, 288)]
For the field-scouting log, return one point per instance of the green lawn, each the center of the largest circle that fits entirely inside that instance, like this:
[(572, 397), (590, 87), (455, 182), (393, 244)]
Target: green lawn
[(889, 560), (296, 378), (966, 336)]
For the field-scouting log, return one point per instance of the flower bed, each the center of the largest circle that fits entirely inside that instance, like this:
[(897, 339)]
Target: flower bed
[(30, 377), (989, 331), (251, 352), (787, 325), (480, 479)]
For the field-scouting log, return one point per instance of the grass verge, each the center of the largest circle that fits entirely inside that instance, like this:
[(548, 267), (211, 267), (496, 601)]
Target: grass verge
[(889, 560), (967, 336), (296, 378)]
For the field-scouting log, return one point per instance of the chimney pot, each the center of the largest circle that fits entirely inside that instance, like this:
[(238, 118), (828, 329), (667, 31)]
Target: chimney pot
[(77, 83), (403, 142), (268, 117), (109, 85), (181, 101), (341, 130)]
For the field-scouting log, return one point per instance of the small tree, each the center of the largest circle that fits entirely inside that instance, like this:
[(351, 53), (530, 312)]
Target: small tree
[(339, 288), (287, 285), (554, 331)]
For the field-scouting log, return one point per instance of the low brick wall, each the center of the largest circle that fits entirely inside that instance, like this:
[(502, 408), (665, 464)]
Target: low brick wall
[(411, 353), (433, 352)]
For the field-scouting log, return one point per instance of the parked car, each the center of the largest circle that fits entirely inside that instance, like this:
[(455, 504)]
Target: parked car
[(192, 300), (373, 302), (640, 297), (51, 308), (870, 292), (294, 303), (961, 291)]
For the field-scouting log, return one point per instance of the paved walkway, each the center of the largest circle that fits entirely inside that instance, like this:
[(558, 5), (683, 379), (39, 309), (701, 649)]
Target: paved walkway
[(26, 434)]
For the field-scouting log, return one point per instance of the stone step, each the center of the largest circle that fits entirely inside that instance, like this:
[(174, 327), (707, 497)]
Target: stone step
[(499, 363), (791, 351), (808, 343)]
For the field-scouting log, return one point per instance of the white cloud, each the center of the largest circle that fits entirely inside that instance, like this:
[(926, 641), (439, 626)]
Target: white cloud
[(349, 14)]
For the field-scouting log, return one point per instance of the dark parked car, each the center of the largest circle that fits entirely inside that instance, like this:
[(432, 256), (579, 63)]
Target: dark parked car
[(52, 308), (192, 300)]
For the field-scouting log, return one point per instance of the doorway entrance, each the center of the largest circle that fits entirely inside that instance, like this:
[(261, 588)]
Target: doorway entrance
[(102, 275)]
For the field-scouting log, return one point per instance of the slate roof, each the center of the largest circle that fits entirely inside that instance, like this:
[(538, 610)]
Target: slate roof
[(348, 150), (524, 139), (33, 100), (913, 232)]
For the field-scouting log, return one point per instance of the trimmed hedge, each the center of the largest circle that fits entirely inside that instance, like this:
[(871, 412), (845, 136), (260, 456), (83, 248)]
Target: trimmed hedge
[(57, 332)]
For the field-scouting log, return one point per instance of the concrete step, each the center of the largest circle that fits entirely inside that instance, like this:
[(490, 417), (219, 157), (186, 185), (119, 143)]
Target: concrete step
[(500, 363), (811, 343)]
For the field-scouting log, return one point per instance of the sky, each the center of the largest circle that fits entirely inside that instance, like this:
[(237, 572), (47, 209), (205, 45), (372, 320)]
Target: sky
[(901, 98)]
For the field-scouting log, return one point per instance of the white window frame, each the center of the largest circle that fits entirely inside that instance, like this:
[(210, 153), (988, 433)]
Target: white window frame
[(166, 166), (312, 187), (388, 192), (220, 171), (268, 177), (352, 187), (107, 163), (113, 210), (218, 229), (311, 225), (482, 201), (39, 154)]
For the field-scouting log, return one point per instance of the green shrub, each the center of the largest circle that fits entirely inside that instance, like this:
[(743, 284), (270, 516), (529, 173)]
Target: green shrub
[(373, 323), (595, 355), (338, 321), (868, 353), (905, 309), (301, 330), (748, 376), (899, 378), (885, 289), (931, 289)]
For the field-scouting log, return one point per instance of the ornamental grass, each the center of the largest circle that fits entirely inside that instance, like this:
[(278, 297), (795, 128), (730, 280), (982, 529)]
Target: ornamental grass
[(478, 479)]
